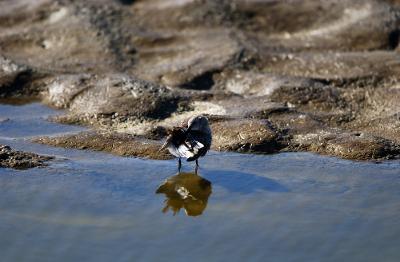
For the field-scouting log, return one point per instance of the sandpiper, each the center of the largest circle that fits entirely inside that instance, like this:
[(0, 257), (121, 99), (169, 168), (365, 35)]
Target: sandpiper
[(191, 140)]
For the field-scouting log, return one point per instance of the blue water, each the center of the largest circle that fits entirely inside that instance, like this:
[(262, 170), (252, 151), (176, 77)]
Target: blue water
[(92, 206), (30, 120)]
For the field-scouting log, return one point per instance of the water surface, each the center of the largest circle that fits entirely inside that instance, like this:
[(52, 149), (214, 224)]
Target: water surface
[(92, 206)]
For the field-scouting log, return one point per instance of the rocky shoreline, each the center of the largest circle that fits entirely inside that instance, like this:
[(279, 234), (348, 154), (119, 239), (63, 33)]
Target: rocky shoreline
[(311, 75), (21, 160)]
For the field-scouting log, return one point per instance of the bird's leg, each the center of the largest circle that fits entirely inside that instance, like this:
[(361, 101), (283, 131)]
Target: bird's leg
[(197, 166), (179, 165)]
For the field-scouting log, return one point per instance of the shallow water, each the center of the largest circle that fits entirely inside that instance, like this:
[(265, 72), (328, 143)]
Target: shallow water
[(91, 206)]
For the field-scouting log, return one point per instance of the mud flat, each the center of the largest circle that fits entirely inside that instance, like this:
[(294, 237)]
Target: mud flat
[(319, 76)]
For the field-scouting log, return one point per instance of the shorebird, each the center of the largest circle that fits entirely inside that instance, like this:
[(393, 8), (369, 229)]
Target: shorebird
[(191, 140)]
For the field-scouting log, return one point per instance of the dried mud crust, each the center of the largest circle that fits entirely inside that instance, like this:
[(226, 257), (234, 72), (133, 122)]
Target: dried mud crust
[(314, 75)]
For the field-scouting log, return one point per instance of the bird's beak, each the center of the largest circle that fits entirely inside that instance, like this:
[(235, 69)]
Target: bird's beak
[(164, 146)]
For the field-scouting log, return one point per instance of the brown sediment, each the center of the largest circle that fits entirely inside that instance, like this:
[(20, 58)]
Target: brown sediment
[(115, 143), (271, 75)]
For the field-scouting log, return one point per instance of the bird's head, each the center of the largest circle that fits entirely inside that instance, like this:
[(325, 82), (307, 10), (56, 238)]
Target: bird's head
[(199, 123)]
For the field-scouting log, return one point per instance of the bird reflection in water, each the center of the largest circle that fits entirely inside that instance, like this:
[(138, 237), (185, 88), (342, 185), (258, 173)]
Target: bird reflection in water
[(185, 190)]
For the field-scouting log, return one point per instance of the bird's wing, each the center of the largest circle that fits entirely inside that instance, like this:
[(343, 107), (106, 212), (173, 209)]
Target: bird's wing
[(185, 151), (188, 149), (196, 145)]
